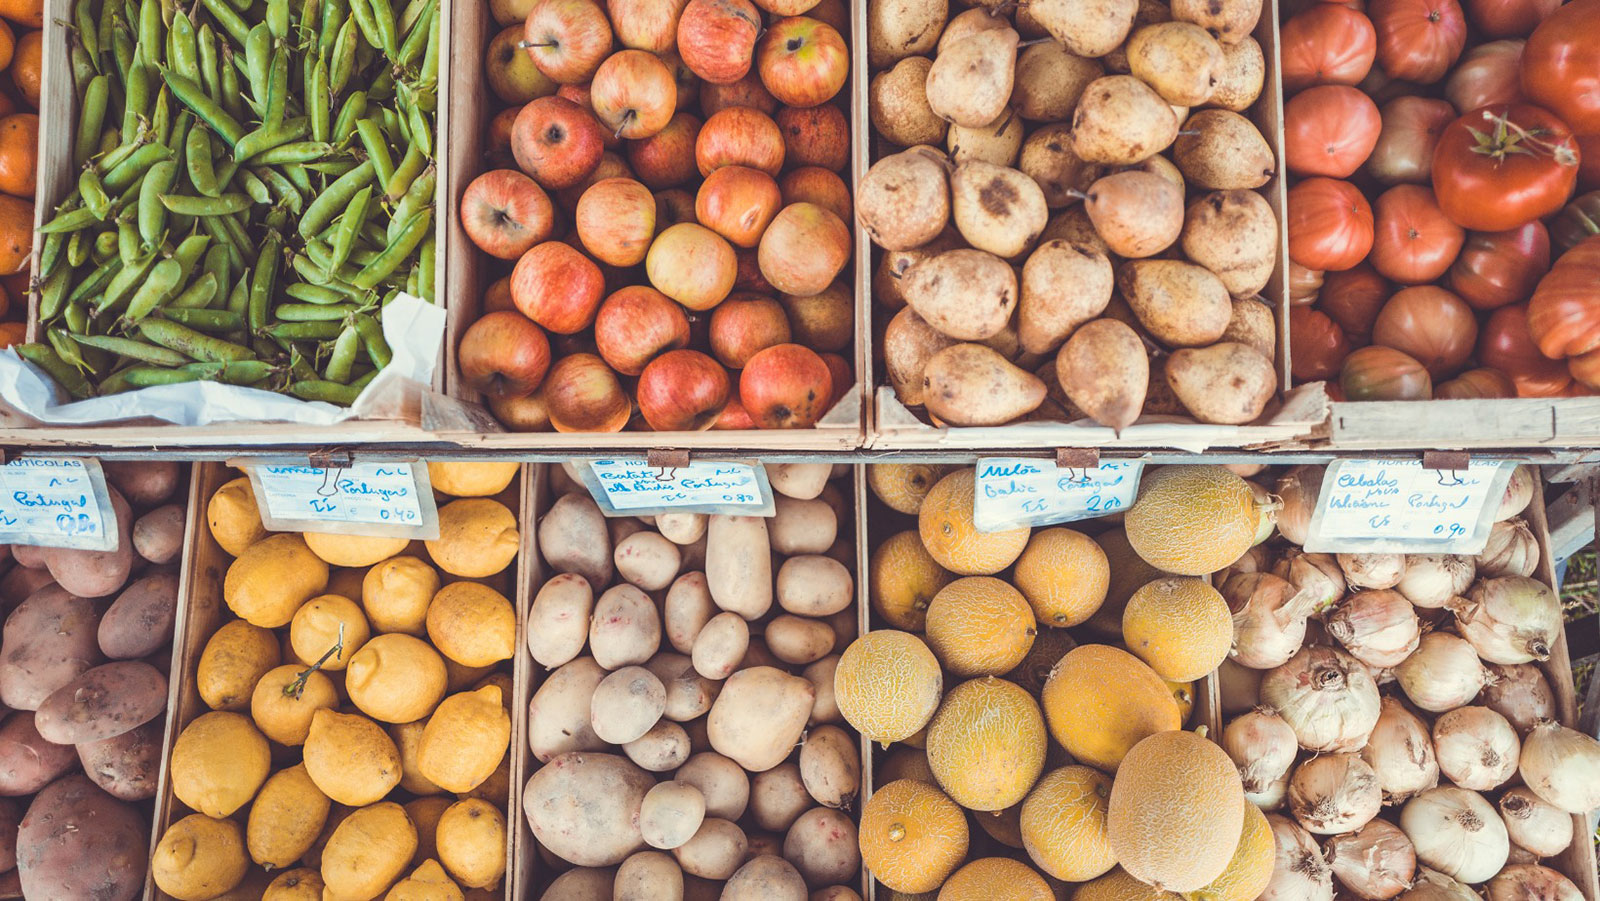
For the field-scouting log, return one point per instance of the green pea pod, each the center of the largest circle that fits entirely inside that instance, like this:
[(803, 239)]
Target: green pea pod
[(212, 322), (192, 95), (239, 296), (258, 60), (333, 199), (112, 157), (105, 246), (189, 252), (206, 51), (133, 349), (135, 98), (278, 18), (430, 60), (421, 130), (51, 254), (417, 197), (194, 344), (372, 340), (177, 142), (110, 139), (374, 234), (216, 262), (251, 146), (383, 21), (350, 113), (317, 101), (364, 379), (410, 166), (212, 225), (322, 254), (343, 56), (427, 275), (69, 221), (161, 117), (236, 232), (316, 275), (411, 235), (131, 171), (277, 88), (334, 14), (309, 293), (76, 316), (344, 237), (197, 159), (417, 34), (152, 32), (82, 66), (343, 357), (324, 390), (377, 147), (232, 99), (184, 54), (283, 191), (313, 312), (45, 357), (122, 285), (364, 21), (197, 295), (146, 376), (228, 18), (87, 29), (152, 215), (94, 194), (162, 281), (263, 279), (253, 186), (305, 331), (124, 53), (185, 205), (67, 349), (297, 152), (53, 294), (300, 176), (96, 282), (91, 119), (130, 249), (235, 372)]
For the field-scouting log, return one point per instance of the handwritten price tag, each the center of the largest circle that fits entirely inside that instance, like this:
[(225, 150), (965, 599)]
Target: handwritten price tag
[(388, 499), (634, 488), (56, 502), (1398, 506), (1018, 491)]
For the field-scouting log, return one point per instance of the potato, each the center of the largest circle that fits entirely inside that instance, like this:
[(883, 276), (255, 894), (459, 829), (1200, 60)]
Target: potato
[(573, 539), (1103, 370), (671, 814), (625, 628), (739, 563), (94, 574), (802, 527), (1221, 150), (1180, 304), (689, 694), (759, 716), (1235, 235), (28, 762), (722, 783), (1227, 383), (648, 876), (1253, 326), (233, 661), (799, 640), (648, 560), (10, 818), (1244, 72), (49, 640), (778, 797), (766, 878), (76, 841), (813, 585), (662, 749), (558, 715), (686, 610), (626, 704), (28, 555), (1120, 120), (1228, 21), (140, 620), (584, 807), (681, 528), (825, 709), (822, 846), (558, 621), (618, 528), (158, 535), (721, 645), (581, 884), (844, 625), (801, 481), (145, 483), (830, 766), (104, 702), (21, 581), (715, 851)]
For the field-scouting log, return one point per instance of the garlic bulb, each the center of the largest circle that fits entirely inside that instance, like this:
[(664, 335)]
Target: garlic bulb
[(1456, 832), (1432, 885), (1442, 674), (1269, 625), (1400, 753), (1372, 570), (1562, 766), (1239, 686), (1511, 619), (1378, 627), (1298, 871), (1512, 551), (1298, 489), (1476, 748), (1534, 823), (1520, 693), (1432, 579), (1326, 698), (1334, 793), (1519, 492), (1317, 578), (1531, 882), (1262, 745), (1375, 863)]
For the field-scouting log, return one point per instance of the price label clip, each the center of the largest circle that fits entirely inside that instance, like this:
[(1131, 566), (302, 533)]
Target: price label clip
[(1011, 492), (56, 502), (667, 481), (1443, 503), (331, 492)]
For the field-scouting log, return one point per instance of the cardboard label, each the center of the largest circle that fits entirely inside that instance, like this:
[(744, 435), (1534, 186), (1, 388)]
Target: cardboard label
[(634, 488), (1019, 491), (56, 502), (386, 499), (1398, 506)]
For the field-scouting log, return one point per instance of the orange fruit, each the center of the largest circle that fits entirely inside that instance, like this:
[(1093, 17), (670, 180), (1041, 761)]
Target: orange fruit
[(5, 301), (19, 153), (13, 333), (16, 285), (8, 44), (27, 63), (16, 233)]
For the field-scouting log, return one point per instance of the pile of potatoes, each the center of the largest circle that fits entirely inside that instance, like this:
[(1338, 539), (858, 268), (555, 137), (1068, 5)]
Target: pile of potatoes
[(689, 741), (354, 715), (1068, 212), (83, 683)]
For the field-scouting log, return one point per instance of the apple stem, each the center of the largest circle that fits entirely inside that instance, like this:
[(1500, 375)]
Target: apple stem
[(1076, 194), (627, 118), (524, 45)]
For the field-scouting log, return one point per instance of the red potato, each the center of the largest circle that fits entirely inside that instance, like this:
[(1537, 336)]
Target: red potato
[(76, 841), (20, 582), (158, 535), (144, 483), (822, 845), (128, 765), (48, 641), (28, 762), (103, 703), (140, 620), (10, 818), (95, 574)]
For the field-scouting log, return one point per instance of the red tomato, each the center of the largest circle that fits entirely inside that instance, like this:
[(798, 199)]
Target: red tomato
[(1329, 130), (1586, 369), (1505, 344), (1413, 241), (1418, 40), (1383, 373), (1564, 314), (1488, 73), (1431, 325), (1588, 162), (1561, 65), (1326, 44), (1497, 268), (1330, 224), (1502, 166), (1353, 298), (1317, 345), (1509, 18), (1411, 129), (1476, 384)]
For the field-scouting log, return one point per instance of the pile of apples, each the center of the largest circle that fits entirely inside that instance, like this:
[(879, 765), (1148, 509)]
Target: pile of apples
[(670, 197)]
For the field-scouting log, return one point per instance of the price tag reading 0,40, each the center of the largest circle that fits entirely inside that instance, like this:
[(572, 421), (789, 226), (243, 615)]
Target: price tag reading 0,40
[(361, 499), (1396, 506), (1018, 491), (55, 502)]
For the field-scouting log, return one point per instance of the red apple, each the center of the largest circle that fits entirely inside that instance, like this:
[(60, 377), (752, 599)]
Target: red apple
[(747, 91), (557, 287), (497, 297), (511, 73), (578, 93), (505, 212), (673, 206), (802, 61), (748, 277), (649, 25), (682, 391), (815, 136), (522, 414), (787, 7), (616, 219), (836, 14), (634, 94), (688, 82), (744, 324), (803, 249), (556, 141), (739, 136), (637, 324), (843, 378), (825, 321), (503, 355), (666, 158), (691, 264), (734, 416), (738, 203), (498, 140), (567, 39), (582, 394), (814, 184), (611, 166), (785, 387), (717, 38)]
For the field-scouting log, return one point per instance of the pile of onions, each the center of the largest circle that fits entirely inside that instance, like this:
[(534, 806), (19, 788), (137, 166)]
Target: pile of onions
[(1442, 674), (1431, 580), (1521, 694), (1257, 559), (1326, 697), (1512, 619), (1334, 794), (1378, 628), (1531, 882), (1400, 753), (1476, 748), (1267, 508), (1376, 862), (1432, 885), (1263, 746), (1317, 578), (1512, 551), (1534, 823), (1372, 570), (1456, 832), (1519, 492), (1298, 871), (1298, 489), (1239, 686), (1269, 622), (1562, 766)]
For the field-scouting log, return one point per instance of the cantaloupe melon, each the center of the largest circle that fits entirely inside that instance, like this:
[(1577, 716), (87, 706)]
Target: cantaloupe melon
[(912, 836), (902, 486), (1192, 520), (1129, 573), (1064, 824), (905, 763), (1117, 885), (986, 744), (887, 685), (1250, 869), (996, 879), (904, 580), (980, 626), (1064, 575), (1049, 646), (1101, 701), (1004, 826), (1183, 693), (1182, 627), (948, 532), (1176, 811)]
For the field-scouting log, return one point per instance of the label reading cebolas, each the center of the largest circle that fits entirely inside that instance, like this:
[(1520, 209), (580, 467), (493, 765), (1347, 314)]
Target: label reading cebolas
[(1400, 506)]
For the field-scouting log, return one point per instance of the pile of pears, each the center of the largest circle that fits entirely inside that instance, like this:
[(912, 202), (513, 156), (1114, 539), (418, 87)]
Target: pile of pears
[(1069, 206)]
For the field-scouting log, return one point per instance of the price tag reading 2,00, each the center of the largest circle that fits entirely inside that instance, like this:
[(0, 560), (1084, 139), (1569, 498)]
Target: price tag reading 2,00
[(635, 488), (388, 499), (1399, 506), (1018, 491)]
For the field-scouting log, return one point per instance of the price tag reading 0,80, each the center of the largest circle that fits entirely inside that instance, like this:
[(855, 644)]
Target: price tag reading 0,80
[(362, 499), (55, 502), (1012, 492), (1396, 506)]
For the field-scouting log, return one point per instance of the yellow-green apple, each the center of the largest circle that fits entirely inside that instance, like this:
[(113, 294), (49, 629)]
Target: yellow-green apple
[(802, 62), (747, 91), (505, 212), (744, 324), (666, 158), (803, 249), (635, 325), (691, 264), (503, 355), (558, 287), (568, 39), (673, 205), (825, 321), (510, 71), (682, 391), (815, 136), (739, 136), (717, 38), (582, 394), (616, 219), (734, 416), (522, 414), (738, 203), (556, 142), (634, 94), (785, 386), (814, 184), (650, 25)]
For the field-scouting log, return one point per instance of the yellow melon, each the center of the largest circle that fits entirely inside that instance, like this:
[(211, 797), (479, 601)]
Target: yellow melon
[(902, 486), (1049, 646), (905, 763), (1004, 826), (1181, 627), (1176, 811), (996, 879), (904, 580), (1064, 575), (986, 744), (1100, 701), (947, 530), (980, 626), (1064, 824), (887, 685), (1250, 869), (1183, 694), (1192, 520), (1129, 573), (1117, 885), (912, 836)]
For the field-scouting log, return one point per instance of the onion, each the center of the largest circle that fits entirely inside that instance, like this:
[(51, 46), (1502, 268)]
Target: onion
[(1377, 627), (1442, 674), (1267, 506), (1456, 832), (1298, 489), (1432, 885), (1372, 570), (1531, 882), (1316, 576), (1520, 693), (1476, 748), (1534, 823), (1520, 854), (1400, 752), (1519, 493), (1375, 863), (1269, 622), (1326, 698), (1512, 551), (1561, 765), (1334, 793), (1298, 871), (1239, 686), (1512, 619), (1256, 560), (1262, 745), (1271, 797), (1430, 580)]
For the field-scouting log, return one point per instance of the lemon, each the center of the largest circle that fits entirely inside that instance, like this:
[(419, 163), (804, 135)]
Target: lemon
[(465, 739), (396, 594), (472, 624), (395, 678), (325, 624), (351, 758)]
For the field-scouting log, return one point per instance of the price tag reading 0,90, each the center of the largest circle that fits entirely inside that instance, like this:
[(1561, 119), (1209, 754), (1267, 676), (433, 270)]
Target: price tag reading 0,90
[(1396, 506), (635, 488), (389, 499), (55, 502), (1018, 491)]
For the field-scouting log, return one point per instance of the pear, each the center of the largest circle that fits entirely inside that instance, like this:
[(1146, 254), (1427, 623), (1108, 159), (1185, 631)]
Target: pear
[(1064, 285), (997, 208), (1159, 165), (1048, 159), (1227, 383), (1179, 60), (999, 142), (1121, 121), (971, 79), (1244, 72), (1074, 225), (908, 343), (898, 104), (1229, 21), (966, 294), (1049, 80), (1235, 235), (897, 29), (1252, 325), (892, 266), (904, 199), (1150, 12), (1221, 150), (972, 385), (1137, 213), (968, 23), (1179, 304), (1103, 369), (1089, 28)]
